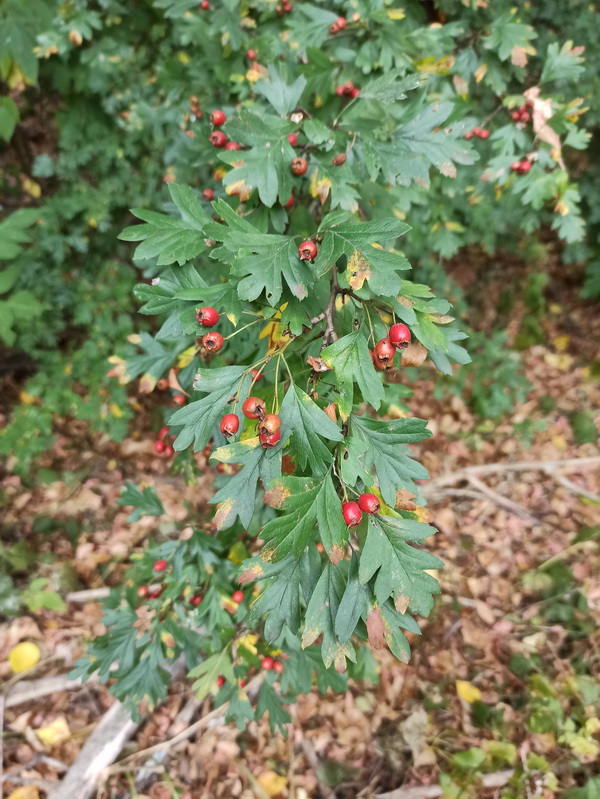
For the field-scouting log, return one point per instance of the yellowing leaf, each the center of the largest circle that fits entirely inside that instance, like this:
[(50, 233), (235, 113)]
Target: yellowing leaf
[(184, 358), (320, 188), (27, 399), (357, 270), (248, 641), (31, 187), (441, 66), (239, 189), (480, 73), (24, 656), (116, 410), (55, 732), (183, 57), (396, 13), (147, 383), (26, 792), (272, 783), (467, 691)]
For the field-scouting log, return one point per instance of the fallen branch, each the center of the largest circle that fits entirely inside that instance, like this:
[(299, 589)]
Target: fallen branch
[(577, 489), (29, 691), (89, 595), (496, 780)]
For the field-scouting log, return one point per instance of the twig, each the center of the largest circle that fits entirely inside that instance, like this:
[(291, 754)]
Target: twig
[(28, 691), (495, 780), (89, 595), (12, 776), (549, 467), (329, 335), (564, 481), (503, 501)]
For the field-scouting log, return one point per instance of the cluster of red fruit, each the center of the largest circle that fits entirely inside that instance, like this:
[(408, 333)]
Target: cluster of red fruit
[(521, 167), (521, 114), (147, 592), (478, 133), (163, 385), (195, 107), (162, 446), (217, 138), (347, 89), (337, 26), (384, 352), (269, 424), (208, 317), (284, 8), (353, 511)]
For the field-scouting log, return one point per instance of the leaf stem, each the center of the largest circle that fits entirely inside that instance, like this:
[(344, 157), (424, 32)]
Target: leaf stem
[(239, 330)]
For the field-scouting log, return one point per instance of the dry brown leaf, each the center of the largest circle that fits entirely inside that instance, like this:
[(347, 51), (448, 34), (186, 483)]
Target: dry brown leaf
[(414, 354)]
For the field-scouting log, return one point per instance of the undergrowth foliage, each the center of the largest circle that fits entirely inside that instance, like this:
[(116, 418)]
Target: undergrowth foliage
[(300, 144)]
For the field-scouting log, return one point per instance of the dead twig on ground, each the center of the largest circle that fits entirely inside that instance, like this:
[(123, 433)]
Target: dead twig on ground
[(496, 780)]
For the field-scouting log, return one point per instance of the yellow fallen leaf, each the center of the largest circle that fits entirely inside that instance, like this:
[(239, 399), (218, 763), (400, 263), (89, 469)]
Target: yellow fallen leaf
[(55, 732), (272, 783), (26, 792), (24, 656), (561, 343), (467, 691)]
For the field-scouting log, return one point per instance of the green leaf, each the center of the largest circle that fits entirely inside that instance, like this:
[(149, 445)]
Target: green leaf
[(372, 444), (238, 496), (584, 427), (145, 502), (400, 568), (9, 116), (268, 700), (279, 601), (209, 671), (471, 759), (283, 97), (266, 166), (8, 278), (305, 422), (198, 418), (320, 619), (166, 239), (354, 604), (505, 35), (391, 87), (350, 358), (562, 63), (365, 261), (14, 232), (591, 790)]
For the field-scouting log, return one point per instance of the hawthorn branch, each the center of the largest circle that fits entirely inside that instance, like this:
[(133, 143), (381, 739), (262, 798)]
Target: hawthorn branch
[(329, 334)]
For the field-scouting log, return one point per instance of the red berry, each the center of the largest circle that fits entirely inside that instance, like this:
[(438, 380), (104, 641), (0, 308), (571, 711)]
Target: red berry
[(142, 591), (269, 425), (196, 600), (355, 92), (525, 116), (220, 681), (333, 28), (168, 451), (287, 7), (525, 167), (299, 166), (268, 441), (159, 446), (256, 375), (267, 663), (341, 23), (468, 134), (218, 138), (477, 132), (205, 5), (243, 683), (293, 139), (484, 134), (351, 513), (208, 195), (348, 88), (253, 408), (384, 352), (399, 335), (289, 202), (251, 55), (179, 399), (381, 367), (278, 667), (156, 592), (368, 503), (213, 342), (218, 118), (232, 145), (307, 251), (515, 166), (230, 424), (339, 159), (516, 116), (238, 596), (163, 384), (160, 566), (320, 547), (340, 91), (207, 316), (164, 432)]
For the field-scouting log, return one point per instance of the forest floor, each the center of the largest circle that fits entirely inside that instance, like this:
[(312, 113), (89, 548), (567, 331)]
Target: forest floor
[(502, 695)]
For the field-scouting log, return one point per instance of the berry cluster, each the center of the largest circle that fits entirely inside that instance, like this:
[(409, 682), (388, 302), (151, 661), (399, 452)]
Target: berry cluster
[(521, 167), (162, 444), (208, 317), (477, 133), (353, 511), (384, 352), (521, 114), (347, 89), (337, 26)]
